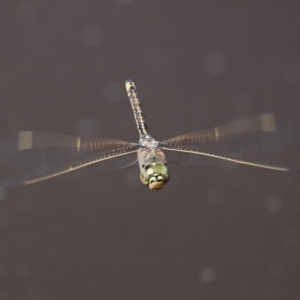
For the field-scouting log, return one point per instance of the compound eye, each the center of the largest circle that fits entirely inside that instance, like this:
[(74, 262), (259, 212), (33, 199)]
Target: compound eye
[(160, 178)]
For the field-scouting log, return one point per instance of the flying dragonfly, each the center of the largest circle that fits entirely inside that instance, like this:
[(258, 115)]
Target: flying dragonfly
[(32, 156)]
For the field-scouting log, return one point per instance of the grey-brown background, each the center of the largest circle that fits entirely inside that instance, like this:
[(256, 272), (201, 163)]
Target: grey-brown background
[(212, 233)]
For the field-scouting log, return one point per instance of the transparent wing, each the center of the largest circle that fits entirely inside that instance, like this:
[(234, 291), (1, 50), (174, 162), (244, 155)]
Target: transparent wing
[(30, 156), (263, 141)]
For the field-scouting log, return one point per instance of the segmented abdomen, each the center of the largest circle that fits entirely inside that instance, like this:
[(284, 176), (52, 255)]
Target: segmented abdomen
[(136, 107)]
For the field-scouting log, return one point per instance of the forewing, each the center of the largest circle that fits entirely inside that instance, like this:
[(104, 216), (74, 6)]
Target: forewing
[(263, 141), (31, 156)]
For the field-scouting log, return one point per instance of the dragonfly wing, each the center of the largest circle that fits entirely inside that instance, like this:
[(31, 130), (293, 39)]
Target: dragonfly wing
[(262, 141), (31, 156)]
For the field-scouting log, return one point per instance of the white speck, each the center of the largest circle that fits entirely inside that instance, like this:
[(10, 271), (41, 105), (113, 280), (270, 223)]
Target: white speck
[(88, 128), (291, 72), (273, 203), (26, 13), (150, 171), (24, 205), (214, 63), (113, 92), (22, 270), (207, 275), (92, 35)]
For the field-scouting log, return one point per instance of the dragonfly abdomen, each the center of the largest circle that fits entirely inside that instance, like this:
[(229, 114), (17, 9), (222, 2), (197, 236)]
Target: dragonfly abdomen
[(136, 107)]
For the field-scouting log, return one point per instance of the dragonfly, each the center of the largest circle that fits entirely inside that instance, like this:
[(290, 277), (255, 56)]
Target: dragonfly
[(33, 156)]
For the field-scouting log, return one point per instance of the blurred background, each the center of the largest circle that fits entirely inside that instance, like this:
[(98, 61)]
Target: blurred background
[(212, 232)]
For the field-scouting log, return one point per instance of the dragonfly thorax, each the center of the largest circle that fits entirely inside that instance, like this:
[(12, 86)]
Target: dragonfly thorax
[(147, 141), (149, 151)]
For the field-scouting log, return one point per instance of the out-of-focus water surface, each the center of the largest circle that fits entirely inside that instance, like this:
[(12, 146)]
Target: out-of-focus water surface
[(212, 233)]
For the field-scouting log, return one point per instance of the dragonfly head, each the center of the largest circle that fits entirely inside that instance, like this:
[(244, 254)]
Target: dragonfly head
[(155, 175)]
